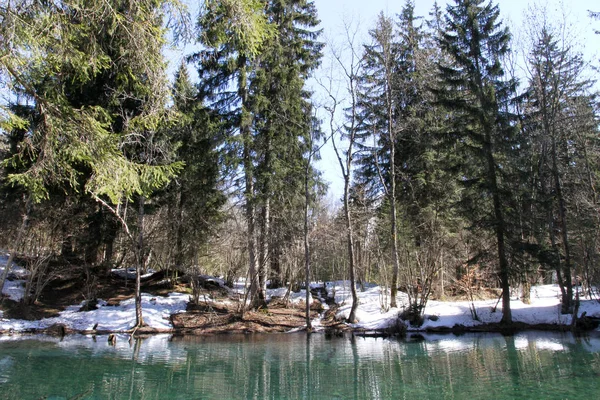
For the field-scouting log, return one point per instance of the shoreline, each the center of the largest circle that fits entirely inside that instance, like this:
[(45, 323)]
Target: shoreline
[(59, 330)]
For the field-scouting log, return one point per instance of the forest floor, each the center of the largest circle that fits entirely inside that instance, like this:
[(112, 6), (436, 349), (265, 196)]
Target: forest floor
[(62, 308)]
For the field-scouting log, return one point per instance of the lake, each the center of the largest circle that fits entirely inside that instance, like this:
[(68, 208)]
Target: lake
[(293, 366)]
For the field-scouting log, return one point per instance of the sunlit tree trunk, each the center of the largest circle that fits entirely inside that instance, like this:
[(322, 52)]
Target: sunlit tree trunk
[(18, 241), (139, 267)]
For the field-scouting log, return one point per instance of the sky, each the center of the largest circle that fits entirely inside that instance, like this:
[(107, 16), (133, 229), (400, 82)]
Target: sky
[(333, 13)]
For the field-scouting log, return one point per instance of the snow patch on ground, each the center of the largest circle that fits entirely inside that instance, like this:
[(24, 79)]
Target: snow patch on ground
[(14, 286), (129, 273), (239, 287), (373, 312), (156, 312)]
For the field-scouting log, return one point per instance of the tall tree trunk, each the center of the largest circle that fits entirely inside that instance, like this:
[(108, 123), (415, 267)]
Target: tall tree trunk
[(394, 221), (350, 243), (18, 241), (139, 267), (109, 249), (246, 134), (562, 214), (265, 236), (263, 271), (306, 245), (557, 262), (178, 256), (500, 228), (346, 164), (392, 191)]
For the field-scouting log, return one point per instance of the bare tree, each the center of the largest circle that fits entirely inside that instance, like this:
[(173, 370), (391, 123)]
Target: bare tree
[(350, 62)]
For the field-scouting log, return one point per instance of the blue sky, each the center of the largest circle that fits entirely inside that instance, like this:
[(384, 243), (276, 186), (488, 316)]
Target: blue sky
[(332, 13)]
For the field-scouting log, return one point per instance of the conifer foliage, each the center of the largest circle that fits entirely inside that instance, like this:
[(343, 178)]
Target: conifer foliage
[(452, 169), (477, 90)]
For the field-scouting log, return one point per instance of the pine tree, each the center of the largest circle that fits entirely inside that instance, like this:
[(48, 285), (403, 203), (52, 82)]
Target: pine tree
[(54, 60), (380, 104), (194, 198), (556, 85), (233, 33), (283, 119), (477, 91)]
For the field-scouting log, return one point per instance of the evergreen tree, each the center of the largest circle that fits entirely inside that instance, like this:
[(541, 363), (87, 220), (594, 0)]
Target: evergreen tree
[(398, 115), (380, 104), (556, 86), (477, 92), (55, 61), (268, 115), (283, 119), (194, 198), (233, 33)]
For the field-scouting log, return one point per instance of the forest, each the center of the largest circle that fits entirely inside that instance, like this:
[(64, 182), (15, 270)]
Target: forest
[(469, 160)]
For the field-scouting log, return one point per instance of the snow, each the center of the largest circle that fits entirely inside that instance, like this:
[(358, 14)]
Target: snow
[(295, 298), (129, 273), (14, 286), (156, 312), (372, 313), (544, 309)]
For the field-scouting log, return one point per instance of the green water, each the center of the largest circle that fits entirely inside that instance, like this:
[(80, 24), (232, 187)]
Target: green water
[(531, 365)]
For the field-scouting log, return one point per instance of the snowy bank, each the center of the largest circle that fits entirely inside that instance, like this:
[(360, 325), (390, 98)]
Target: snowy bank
[(157, 312), (372, 313)]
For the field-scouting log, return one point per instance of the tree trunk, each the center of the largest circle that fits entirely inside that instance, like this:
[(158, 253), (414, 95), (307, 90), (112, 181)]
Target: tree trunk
[(392, 191), (394, 218), (108, 239), (306, 245), (18, 241), (139, 320), (500, 228), (263, 271), (526, 296), (178, 256), (557, 263), (246, 134), (350, 243), (567, 300)]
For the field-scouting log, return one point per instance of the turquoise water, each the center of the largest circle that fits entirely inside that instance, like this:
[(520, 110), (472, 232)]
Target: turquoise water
[(532, 365)]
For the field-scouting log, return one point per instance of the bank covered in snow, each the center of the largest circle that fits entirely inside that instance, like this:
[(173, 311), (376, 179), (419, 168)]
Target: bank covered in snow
[(372, 313), (545, 309)]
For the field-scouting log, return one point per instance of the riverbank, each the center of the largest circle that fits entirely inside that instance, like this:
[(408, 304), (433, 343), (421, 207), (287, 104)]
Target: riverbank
[(217, 311)]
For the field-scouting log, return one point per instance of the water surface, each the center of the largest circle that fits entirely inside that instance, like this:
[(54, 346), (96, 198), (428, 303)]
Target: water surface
[(291, 366)]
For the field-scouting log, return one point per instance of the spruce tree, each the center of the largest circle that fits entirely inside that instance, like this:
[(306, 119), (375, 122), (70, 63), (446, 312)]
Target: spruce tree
[(194, 198), (94, 85), (399, 149), (266, 114), (283, 119), (477, 92), (381, 114), (233, 33), (556, 87)]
